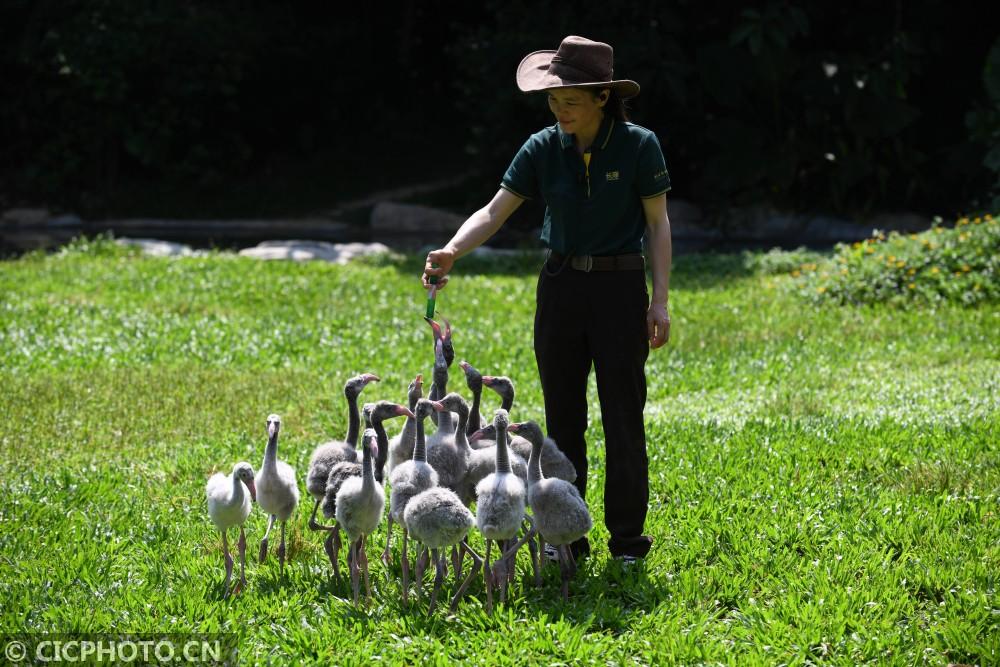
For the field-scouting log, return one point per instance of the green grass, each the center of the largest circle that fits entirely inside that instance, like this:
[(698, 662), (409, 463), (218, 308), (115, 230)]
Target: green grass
[(824, 478)]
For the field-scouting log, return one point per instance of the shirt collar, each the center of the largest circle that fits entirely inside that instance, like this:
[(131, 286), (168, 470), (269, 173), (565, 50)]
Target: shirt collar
[(603, 134)]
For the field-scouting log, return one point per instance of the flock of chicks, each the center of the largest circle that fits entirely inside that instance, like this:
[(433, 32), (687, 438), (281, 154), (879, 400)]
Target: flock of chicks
[(433, 480)]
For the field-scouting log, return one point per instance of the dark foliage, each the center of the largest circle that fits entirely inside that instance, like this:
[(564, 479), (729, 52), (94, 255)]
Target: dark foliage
[(841, 107)]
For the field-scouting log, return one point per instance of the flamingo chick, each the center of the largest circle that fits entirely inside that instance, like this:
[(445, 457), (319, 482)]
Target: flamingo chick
[(474, 381), (360, 503), (277, 490), (401, 446), (332, 452), (561, 515), (329, 454), (554, 462), (375, 414), (408, 479), (500, 500), (228, 506), (444, 355), (437, 519)]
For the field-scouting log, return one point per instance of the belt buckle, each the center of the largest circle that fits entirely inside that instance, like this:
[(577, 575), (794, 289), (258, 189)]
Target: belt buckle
[(589, 263)]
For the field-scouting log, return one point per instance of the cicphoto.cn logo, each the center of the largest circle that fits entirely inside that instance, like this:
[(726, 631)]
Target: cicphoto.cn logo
[(38, 649)]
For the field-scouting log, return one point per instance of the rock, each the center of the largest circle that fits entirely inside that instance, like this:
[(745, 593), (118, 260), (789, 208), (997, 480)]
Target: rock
[(225, 231), (35, 229), (25, 217), (391, 218), (65, 221), (301, 251), (758, 224), (824, 230), (157, 248)]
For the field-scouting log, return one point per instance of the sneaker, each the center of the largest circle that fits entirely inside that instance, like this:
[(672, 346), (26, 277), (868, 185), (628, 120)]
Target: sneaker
[(627, 560), (580, 549)]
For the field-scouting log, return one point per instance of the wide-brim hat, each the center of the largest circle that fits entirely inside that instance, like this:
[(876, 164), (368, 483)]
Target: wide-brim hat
[(577, 62)]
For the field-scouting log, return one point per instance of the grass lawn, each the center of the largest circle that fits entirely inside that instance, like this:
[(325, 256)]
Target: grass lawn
[(824, 478)]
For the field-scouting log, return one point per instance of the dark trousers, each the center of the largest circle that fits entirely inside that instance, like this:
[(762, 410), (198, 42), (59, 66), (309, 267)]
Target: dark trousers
[(599, 319)]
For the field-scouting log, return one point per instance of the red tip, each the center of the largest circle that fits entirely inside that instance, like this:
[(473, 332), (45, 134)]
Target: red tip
[(435, 326)]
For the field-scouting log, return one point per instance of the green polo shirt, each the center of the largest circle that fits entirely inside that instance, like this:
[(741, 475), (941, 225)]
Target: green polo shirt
[(595, 209)]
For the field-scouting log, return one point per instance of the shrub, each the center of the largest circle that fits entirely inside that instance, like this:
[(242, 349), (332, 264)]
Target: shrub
[(777, 261), (102, 245), (960, 263)]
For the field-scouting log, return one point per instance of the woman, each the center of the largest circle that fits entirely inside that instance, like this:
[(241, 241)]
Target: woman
[(604, 183)]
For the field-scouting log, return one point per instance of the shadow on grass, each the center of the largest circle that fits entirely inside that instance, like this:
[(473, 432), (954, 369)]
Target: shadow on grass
[(605, 596)]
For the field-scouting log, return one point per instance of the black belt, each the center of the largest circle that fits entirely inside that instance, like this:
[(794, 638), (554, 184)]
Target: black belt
[(587, 263)]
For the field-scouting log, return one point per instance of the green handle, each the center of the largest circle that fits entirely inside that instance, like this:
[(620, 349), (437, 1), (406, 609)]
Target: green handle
[(431, 299)]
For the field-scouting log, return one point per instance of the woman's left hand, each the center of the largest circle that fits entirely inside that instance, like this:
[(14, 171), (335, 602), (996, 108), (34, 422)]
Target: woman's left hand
[(657, 325)]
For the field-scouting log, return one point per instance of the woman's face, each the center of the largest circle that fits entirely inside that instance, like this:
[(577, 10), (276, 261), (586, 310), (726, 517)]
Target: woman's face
[(577, 109)]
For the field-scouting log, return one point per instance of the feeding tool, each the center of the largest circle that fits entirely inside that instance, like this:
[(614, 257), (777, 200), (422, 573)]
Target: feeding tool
[(432, 294)]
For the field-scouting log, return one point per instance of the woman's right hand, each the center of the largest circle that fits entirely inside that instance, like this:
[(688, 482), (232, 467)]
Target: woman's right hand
[(442, 261)]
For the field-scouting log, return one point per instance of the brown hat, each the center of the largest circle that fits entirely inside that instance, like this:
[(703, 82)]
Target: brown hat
[(578, 62)]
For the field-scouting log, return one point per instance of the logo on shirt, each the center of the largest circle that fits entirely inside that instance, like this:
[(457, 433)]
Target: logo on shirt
[(612, 175), (660, 174)]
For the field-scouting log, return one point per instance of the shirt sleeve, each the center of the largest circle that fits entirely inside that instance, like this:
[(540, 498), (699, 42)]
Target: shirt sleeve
[(521, 178), (652, 179)]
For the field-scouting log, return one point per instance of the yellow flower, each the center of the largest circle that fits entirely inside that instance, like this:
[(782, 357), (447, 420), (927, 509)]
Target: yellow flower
[(911, 272), (796, 274), (978, 220), (966, 268), (935, 270), (843, 272), (820, 290), (911, 285)]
